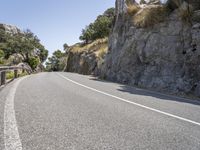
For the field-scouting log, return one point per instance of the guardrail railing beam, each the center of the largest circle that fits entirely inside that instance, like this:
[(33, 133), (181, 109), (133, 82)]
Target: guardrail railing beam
[(5, 69)]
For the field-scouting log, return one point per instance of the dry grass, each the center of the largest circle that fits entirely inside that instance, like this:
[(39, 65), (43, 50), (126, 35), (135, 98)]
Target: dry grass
[(99, 47), (185, 12), (150, 15), (102, 51), (11, 75), (132, 9)]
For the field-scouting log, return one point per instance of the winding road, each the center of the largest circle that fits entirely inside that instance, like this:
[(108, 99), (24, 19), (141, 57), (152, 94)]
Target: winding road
[(67, 111)]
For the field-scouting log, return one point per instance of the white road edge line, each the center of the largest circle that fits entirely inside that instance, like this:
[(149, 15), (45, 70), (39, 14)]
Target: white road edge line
[(11, 135), (133, 103)]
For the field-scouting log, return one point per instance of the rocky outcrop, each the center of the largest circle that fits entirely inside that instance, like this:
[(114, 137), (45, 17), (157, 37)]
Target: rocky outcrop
[(86, 59), (174, 4), (163, 57), (83, 63), (9, 28)]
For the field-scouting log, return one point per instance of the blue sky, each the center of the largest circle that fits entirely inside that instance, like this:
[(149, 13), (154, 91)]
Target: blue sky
[(55, 22)]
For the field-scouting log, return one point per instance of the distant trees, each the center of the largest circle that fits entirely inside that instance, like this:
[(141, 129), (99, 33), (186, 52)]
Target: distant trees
[(100, 28), (56, 62)]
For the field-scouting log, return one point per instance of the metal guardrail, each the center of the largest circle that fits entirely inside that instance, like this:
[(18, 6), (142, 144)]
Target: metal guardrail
[(5, 69)]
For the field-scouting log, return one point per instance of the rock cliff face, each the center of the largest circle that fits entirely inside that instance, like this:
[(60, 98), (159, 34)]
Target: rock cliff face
[(87, 59), (163, 57)]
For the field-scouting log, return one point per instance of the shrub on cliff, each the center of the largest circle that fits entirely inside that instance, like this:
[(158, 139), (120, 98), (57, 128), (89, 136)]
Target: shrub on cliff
[(132, 8), (185, 12), (150, 15), (34, 62)]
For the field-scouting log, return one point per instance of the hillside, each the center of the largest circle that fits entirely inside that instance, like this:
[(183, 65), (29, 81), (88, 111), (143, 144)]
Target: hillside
[(17, 46), (87, 59), (87, 56)]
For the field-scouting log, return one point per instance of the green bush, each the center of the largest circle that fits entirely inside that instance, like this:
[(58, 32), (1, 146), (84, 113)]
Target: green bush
[(2, 54), (10, 75), (23, 74), (34, 62)]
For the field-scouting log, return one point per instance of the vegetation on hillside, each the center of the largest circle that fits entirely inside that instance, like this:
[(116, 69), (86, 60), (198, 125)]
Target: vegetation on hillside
[(148, 15), (100, 28), (95, 40), (155, 11), (21, 47)]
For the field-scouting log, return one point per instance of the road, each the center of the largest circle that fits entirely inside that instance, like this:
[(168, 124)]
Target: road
[(66, 111)]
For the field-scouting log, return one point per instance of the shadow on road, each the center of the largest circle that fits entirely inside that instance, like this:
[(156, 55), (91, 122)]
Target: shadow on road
[(143, 92)]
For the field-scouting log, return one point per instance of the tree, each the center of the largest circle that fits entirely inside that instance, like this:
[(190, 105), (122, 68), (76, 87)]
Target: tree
[(65, 46), (110, 13), (100, 28), (88, 33), (34, 62), (43, 54)]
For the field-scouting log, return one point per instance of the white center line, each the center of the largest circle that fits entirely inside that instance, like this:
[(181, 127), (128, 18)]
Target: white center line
[(11, 135), (130, 102)]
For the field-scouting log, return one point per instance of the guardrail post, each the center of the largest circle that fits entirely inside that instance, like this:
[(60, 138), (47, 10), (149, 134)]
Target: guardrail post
[(15, 73), (3, 77)]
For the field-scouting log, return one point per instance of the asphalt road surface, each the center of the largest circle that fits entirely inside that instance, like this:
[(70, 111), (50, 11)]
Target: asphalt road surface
[(66, 111)]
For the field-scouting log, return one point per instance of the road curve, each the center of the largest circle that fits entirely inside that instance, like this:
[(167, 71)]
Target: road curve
[(58, 111)]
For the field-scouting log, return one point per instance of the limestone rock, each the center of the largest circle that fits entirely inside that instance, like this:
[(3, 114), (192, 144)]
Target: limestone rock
[(83, 63), (196, 16), (15, 59), (9, 28), (164, 57), (87, 59)]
